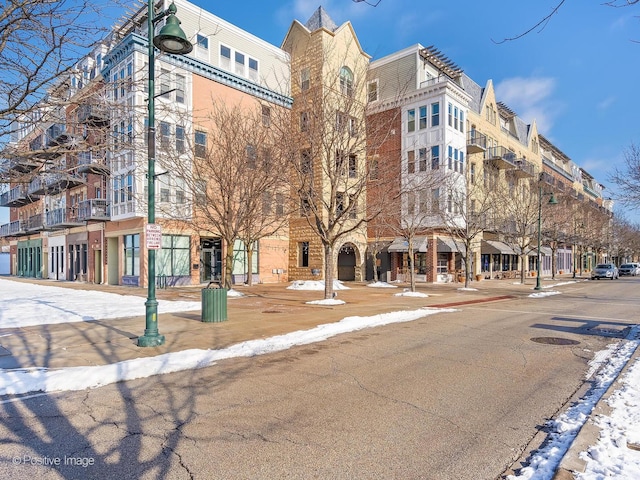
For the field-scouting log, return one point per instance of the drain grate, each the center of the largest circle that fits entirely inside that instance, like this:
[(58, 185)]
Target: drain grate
[(555, 341)]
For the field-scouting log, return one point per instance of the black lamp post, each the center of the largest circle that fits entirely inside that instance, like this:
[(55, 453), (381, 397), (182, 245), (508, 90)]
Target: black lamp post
[(552, 201), (171, 39)]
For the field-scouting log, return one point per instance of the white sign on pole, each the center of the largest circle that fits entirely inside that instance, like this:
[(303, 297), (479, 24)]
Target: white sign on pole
[(153, 235)]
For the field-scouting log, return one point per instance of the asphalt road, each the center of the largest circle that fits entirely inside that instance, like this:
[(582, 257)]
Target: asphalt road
[(451, 396)]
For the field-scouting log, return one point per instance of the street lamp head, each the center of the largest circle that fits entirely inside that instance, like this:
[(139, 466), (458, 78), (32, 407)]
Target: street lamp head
[(172, 38)]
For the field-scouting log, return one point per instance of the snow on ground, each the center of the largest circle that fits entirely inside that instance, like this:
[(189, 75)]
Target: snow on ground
[(381, 285), (409, 293), (315, 285), (544, 294), (24, 304), (564, 429)]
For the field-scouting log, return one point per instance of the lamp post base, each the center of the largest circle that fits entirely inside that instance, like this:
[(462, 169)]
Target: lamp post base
[(150, 340)]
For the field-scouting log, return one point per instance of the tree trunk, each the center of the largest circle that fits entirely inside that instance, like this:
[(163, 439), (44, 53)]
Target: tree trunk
[(412, 274), (228, 264), (522, 274), (328, 271), (250, 264)]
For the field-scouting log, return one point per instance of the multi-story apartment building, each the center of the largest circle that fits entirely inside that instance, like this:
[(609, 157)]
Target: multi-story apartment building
[(409, 132)]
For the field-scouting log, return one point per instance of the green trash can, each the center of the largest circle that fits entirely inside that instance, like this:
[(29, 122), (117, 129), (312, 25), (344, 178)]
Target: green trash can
[(214, 304)]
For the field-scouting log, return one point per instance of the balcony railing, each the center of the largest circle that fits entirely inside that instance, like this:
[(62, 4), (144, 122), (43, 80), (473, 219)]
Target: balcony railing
[(17, 197), (94, 209), (476, 142), (13, 229), (93, 162), (61, 218), (21, 164), (500, 157), (547, 178), (524, 168), (35, 222), (54, 182), (94, 115)]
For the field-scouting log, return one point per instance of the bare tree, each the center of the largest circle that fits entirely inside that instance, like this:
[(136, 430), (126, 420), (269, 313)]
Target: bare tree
[(470, 200), (627, 177), (236, 179)]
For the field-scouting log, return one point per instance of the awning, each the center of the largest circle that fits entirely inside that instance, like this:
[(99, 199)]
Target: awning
[(448, 245), (493, 246), (401, 244), (545, 251)]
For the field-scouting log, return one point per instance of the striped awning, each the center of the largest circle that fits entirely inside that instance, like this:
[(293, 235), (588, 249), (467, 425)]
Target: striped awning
[(495, 247), (401, 244)]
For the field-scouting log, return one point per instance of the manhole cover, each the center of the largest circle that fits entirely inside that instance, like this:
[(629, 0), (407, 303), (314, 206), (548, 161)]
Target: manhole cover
[(272, 311), (555, 341)]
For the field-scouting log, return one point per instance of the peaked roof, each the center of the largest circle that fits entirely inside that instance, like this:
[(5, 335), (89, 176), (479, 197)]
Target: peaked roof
[(321, 19)]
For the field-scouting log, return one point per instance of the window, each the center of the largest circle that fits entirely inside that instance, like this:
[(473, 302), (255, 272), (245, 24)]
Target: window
[(202, 42), (305, 79), (180, 146), (239, 64), (353, 166), (165, 134), (304, 121), (174, 258), (253, 69), (252, 156), (279, 204), (450, 157), (435, 157), (411, 202), (372, 91), (472, 172), (424, 201), (303, 254), (435, 114), (132, 254), (180, 87), (201, 192), (200, 144), (306, 162), (435, 200), (267, 200), (266, 115), (225, 57), (423, 118), (422, 159), (411, 161), (346, 81), (180, 196), (165, 83), (411, 120)]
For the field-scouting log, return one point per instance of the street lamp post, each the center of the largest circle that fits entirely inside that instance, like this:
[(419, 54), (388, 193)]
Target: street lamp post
[(552, 201), (171, 39)]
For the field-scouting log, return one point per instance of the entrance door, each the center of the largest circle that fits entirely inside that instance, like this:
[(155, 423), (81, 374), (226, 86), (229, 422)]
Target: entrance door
[(347, 263), (210, 260)]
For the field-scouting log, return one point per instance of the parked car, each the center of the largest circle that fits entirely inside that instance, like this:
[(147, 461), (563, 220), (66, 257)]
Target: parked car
[(632, 269), (605, 270)]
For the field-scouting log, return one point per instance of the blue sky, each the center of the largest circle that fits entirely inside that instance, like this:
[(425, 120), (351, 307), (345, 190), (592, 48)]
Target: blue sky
[(577, 76)]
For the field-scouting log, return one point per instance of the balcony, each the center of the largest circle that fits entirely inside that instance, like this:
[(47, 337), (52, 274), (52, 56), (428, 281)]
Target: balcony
[(61, 218), (93, 162), (94, 209), (13, 229), (94, 115), (21, 165), (547, 178), (524, 168), (500, 157), (54, 182), (34, 223), (17, 197), (476, 142)]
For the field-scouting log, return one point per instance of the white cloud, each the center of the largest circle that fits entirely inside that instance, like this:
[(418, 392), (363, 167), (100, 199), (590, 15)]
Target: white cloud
[(606, 103), (531, 99)]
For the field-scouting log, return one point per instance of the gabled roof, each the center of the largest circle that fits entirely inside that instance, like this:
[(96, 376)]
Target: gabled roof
[(321, 19)]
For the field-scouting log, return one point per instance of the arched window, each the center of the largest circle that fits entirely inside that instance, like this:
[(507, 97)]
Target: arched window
[(346, 81)]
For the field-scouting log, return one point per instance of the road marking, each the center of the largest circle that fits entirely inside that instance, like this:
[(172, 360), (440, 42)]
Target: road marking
[(563, 314)]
